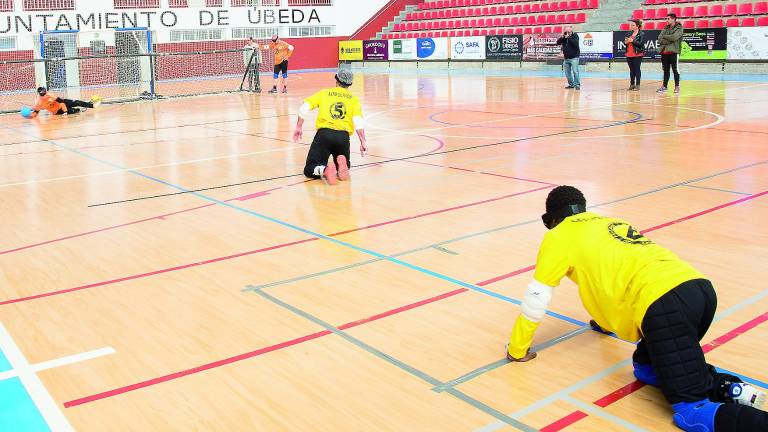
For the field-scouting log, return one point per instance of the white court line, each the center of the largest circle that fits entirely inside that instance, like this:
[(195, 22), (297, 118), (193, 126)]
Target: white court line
[(151, 166), (597, 411), (27, 374), (31, 382)]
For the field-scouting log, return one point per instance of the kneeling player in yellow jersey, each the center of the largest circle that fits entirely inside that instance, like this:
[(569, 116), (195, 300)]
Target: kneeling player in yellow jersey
[(640, 291), (339, 116)]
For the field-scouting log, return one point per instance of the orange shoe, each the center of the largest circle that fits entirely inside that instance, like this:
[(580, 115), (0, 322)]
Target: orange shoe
[(330, 174), (343, 168)]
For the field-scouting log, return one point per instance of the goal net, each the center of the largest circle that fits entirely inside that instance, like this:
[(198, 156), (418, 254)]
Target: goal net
[(128, 64)]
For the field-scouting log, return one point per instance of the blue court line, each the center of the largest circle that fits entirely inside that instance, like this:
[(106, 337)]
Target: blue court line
[(4, 364), (393, 361), (289, 225), (17, 410)]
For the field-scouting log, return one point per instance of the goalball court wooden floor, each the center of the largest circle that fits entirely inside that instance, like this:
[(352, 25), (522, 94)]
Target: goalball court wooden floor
[(165, 265)]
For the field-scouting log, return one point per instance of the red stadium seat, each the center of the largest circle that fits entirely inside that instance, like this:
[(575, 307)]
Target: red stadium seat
[(570, 18), (581, 18), (463, 13), (444, 34), (443, 25), (648, 14), (730, 9), (541, 19), (527, 8), (560, 19), (573, 4), (523, 21), (551, 19), (535, 8), (732, 22), (507, 22), (745, 9), (594, 4), (486, 11), (650, 2), (715, 11), (563, 5), (484, 32), (519, 30), (761, 8), (538, 30), (547, 29), (452, 33), (480, 22), (647, 26), (748, 22), (701, 11), (583, 4), (702, 23), (637, 14), (661, 13), (687, 12), (473, 23), (475, 32), (676, 11), (430, 34), (762, 22), (554, 7), (528, 30), (545, 7), (492, 32), (717, 23), (557, 29), (624, 26), (688, 24), (513, 22), (494, 10)]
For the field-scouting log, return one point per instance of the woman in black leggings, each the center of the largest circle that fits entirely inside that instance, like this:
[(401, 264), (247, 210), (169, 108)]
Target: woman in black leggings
[(635, 40)]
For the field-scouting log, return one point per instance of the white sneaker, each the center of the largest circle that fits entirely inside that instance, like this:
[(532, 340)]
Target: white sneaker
[(746, 394)]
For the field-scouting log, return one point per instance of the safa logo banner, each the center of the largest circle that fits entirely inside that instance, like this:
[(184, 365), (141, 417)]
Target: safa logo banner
[(468, 48), (432, 48)]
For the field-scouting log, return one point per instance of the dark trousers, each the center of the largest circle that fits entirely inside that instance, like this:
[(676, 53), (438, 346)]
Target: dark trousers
[(672, 328), (327, 142), (634, 70), (73, 106), (670, 61)]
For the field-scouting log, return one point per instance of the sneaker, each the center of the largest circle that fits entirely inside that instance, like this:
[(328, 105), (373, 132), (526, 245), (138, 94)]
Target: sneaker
[(97, 104), (631, 87), (569, 86), (637, 88), (746, 394), (577, 88), (677, 89), (330, 174), (343, 168), (285, 89), (273, 91), (661, 89)]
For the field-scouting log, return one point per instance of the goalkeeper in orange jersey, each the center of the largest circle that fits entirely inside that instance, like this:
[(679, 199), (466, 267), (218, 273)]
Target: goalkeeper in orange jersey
[(58, 106), (283, 51)]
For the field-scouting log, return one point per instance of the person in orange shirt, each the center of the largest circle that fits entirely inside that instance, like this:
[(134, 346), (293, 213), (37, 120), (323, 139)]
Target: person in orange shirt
[(283, 51), (56, 105), (635, 41)]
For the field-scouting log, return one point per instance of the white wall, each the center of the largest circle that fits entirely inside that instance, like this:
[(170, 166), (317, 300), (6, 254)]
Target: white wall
[(92, 15)]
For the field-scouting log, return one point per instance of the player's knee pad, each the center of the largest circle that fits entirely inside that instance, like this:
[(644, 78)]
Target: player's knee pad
[(285, 75), (277, 76), (696, 416), (645, 374)]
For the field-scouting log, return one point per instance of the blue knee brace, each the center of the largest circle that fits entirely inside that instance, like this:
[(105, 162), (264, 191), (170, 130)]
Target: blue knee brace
[(645, 374), (695, 416), (277, 76), (285, 75)]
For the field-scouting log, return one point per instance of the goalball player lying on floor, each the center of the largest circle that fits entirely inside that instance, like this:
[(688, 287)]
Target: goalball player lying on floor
[(58, 106), (640, 291)]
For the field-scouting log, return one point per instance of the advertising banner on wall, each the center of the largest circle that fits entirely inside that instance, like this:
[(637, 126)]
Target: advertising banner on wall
[(748, 43), (541, 47), (596, 45), (507, 47), (376, 50), (351, 50), (432, 48), (402, 49), (468, 48), (704, 44), (651, 44)]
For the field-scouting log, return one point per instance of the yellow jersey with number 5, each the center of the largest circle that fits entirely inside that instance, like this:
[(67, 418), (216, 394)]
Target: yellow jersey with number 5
[(336, 109), (619, 271)]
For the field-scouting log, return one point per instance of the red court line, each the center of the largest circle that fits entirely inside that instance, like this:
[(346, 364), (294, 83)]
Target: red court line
[(483, 172), (255, 353), (252, 252), (654, 228), (632, 387), (559, 424), (567, 420)]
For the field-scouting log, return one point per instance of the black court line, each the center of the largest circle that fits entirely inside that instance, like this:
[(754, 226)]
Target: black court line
[(640, 118)]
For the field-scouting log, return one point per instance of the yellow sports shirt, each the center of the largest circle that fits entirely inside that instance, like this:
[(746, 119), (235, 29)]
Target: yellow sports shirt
[(337, 107), (620, 273)]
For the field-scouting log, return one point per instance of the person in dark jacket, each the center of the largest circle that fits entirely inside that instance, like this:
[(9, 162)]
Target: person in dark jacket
[(635, 40), (670, 39), (571, 52)]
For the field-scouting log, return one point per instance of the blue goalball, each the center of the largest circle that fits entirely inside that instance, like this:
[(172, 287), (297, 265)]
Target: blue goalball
[(26, 112)]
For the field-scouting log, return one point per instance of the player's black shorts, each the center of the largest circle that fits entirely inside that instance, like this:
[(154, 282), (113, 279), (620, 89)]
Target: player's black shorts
[(282, 67), (327, 142)]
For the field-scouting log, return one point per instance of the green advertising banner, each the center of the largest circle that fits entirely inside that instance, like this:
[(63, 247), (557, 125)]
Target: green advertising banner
[(704, 44)]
